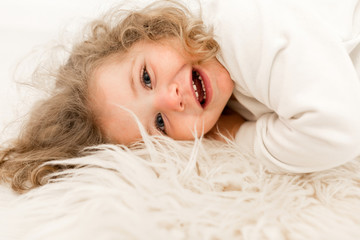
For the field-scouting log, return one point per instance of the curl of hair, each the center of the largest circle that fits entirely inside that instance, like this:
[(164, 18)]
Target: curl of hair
[(62, 125)]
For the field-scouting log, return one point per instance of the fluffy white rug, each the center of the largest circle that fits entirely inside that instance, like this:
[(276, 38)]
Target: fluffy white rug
[(201, 190)]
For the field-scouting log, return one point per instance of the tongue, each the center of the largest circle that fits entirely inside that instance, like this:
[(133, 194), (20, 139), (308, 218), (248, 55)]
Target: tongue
[(199, 89)]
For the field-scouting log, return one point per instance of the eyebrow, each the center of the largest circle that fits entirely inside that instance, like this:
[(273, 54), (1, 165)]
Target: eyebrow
[(132, 80)]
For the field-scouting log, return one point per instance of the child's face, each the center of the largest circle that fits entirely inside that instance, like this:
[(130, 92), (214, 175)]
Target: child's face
[(156, 82)]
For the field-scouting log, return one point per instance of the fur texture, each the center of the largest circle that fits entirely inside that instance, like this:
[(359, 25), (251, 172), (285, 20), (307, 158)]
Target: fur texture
[(172, 190)]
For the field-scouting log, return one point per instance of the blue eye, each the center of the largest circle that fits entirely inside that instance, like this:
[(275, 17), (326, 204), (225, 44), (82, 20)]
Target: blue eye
[(146, 79), (159, 123)]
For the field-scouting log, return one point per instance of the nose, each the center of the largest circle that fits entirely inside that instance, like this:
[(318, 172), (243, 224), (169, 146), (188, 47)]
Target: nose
[(170, 99)]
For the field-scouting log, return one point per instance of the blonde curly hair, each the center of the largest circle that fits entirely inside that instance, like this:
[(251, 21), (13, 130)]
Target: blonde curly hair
[(62, 125)]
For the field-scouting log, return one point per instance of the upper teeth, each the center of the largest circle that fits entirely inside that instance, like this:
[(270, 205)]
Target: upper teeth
[(202, 86)]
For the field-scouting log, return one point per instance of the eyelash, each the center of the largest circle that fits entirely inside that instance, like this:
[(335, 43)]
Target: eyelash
[(159, 123), (146, 82)]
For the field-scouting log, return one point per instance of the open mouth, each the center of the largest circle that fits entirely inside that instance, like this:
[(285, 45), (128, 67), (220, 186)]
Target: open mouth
[(199, 87)]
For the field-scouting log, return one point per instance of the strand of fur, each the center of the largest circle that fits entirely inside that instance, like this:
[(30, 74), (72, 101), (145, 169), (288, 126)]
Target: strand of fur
[(184, 190)]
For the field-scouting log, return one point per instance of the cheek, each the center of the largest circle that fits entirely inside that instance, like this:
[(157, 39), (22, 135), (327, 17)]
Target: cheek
[(186, 127), (205, 123), (224, 82), (212, 119)]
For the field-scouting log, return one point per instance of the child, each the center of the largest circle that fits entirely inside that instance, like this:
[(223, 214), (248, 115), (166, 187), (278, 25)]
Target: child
[(291, 71)]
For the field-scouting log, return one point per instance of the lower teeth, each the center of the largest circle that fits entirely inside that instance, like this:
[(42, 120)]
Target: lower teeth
[(197, 75)]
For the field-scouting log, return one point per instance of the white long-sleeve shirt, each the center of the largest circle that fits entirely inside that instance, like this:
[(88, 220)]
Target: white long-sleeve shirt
[(296, 65)]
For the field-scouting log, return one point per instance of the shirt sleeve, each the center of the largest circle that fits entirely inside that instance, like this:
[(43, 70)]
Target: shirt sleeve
[(287, 58)]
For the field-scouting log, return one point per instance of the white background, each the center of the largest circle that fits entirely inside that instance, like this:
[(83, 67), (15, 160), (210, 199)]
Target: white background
[(26, 25)]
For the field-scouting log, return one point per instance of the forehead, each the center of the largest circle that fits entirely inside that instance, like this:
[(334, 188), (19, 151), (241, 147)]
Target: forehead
[(110, 96), (122, 128)]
